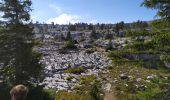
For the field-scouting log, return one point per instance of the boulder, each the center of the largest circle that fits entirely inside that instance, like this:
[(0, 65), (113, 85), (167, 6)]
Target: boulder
[(124, 77)]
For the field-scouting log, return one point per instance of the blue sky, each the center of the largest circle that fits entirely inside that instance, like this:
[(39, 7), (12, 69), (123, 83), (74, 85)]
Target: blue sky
[(90, 11)]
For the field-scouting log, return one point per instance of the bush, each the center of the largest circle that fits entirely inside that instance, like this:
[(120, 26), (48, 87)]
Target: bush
[(165, 58), (115, 55), (95, 92), (87, 79), (142, 32), (70, 45), (70, 78)]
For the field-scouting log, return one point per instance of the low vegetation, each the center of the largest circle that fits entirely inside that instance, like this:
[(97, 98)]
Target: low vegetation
[(88, 93), (75, 70)]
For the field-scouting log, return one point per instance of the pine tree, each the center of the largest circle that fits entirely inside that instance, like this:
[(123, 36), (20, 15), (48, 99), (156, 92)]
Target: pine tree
[(16, 11), (68, 37), (162, 7), (93, 34), (19, 62)]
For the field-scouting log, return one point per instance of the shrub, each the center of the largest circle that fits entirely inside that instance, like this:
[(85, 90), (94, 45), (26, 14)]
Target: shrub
[(87, 79), (95, 92), (70, 78), (70, 45), (165, 58), (115, 54), (142, 32)]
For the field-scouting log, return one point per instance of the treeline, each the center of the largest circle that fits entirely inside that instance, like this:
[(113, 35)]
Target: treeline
[(116, 27)]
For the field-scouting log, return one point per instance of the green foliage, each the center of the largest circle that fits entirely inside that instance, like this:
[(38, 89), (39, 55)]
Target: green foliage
[(18, 56), (163, 95), (157, 90), (165, 58), (148, 95), (115, 54), (139, 25), (87, 79), (94, 34), (160, 24), (16, 11), (142, 46), (72, 27), (162, 7), (70, 78), (75, 70), (119, 26), (61, 95), (142, 32), (68, 37), (70, 45), (153, 64), (92, 93), (95, 92), (20, 64), (162, 39)]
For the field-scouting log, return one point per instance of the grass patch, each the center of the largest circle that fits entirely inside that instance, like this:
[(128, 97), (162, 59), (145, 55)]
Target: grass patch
[(87, 79), (75, 70)]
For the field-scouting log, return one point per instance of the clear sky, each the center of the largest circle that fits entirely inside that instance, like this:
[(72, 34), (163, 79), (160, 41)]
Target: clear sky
[(90, 11)]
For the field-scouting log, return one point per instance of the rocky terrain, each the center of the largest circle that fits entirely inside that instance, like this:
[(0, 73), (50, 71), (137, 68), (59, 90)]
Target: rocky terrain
[(56, 64)]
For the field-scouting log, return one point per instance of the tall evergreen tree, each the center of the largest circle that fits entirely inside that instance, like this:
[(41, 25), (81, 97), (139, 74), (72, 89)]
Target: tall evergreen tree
[(19, 62), (16, 11), (93, 34), (68, 37), (119, 26), (162, 6)]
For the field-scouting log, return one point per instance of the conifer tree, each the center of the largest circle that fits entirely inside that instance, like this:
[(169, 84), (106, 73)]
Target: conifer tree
[(162, 7), (19, 62)]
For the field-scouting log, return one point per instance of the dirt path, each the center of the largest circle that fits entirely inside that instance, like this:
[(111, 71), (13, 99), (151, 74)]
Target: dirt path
[(109, 96)]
